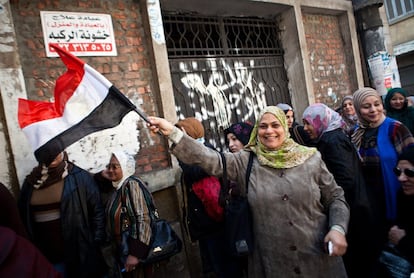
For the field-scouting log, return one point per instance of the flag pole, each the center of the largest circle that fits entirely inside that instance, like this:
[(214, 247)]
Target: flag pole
[(133, 106)]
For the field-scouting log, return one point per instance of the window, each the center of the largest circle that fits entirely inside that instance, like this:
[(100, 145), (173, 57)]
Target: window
[(399, 9)]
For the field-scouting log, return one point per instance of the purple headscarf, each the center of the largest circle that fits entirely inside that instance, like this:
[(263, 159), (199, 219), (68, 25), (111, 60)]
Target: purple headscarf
[(322, 118)]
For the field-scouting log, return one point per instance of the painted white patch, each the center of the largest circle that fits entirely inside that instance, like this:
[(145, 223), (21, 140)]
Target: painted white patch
[(93, 152)]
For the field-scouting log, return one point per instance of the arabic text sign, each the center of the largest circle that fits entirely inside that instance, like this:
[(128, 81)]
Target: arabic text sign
[(83, 34)]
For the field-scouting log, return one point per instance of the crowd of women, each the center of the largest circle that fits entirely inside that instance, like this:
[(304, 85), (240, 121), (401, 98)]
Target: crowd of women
[(327, 202), (326, 195)]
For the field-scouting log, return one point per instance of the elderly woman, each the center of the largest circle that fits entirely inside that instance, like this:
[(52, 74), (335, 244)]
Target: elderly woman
[(120, 171), (297, 207), (379, 140)]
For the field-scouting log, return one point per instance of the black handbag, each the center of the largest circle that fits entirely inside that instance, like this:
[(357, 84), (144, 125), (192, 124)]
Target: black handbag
[(238, 219), (394, 264), (164, 243)]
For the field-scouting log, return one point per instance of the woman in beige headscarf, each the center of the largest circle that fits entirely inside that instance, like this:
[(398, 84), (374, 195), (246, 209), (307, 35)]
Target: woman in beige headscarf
[(379, 140), (297, 207)]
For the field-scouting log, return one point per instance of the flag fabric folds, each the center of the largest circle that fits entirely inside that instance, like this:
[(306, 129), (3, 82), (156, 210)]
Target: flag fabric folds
[(84, 102)]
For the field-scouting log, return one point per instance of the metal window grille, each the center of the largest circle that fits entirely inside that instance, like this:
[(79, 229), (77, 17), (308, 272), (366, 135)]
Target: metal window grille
[(198, 36)]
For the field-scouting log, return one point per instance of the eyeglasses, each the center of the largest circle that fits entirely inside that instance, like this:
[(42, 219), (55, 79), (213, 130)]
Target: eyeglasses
[(408, 172), (113, 166)]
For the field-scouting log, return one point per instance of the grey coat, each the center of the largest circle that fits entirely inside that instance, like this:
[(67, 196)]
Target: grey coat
[(292, 211)]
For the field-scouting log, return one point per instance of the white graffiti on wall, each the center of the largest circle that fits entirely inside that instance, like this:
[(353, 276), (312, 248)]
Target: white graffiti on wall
[(250, 93)]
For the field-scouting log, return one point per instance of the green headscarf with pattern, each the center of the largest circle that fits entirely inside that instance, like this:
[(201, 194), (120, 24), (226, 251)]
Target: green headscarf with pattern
[(289, 154)]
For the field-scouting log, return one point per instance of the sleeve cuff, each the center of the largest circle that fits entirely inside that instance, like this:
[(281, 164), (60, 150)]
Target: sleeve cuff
[(338, 228), (176, 135), (137, 248)]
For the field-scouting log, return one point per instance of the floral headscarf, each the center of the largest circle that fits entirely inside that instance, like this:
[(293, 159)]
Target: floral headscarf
[(241, 130), (322, 118), (290, 153), (127, 163)]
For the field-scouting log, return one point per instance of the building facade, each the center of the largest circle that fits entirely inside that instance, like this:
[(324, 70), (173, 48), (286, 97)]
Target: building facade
[(218, 60), (400, 18)]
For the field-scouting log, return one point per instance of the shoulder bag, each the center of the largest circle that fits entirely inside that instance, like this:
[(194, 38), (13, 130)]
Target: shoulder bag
[(165, 242), (394, 264), (238, 219)]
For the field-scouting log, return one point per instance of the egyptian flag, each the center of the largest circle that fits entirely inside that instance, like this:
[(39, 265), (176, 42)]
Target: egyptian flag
[(84, 102)]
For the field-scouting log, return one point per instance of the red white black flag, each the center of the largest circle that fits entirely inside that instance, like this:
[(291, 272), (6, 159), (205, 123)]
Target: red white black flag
[(84, 102)]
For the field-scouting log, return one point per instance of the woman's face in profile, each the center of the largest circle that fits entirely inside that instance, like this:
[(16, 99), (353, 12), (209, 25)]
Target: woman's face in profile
[(290, 118), (271, 132), (310, 130)]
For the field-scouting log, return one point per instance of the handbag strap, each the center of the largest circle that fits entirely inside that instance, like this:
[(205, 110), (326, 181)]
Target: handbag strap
[(298, 135), (223, 161), (248, 170), (149, 200), (185, 203)]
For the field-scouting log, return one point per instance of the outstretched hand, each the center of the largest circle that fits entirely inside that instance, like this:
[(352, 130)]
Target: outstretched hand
[(157, 124)]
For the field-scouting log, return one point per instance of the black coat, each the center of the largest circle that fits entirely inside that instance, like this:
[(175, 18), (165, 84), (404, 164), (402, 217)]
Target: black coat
[(82, 220), (199, 224), (341, 159), (405, 208)]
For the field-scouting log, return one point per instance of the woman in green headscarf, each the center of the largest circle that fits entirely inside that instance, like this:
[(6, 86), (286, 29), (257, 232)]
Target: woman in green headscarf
[(297, 207)]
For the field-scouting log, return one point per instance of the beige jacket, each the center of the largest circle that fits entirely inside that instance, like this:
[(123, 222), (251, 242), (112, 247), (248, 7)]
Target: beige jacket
[(292, 211)]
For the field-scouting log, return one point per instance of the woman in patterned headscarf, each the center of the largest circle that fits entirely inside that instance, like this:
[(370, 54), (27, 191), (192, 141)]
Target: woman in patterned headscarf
[(296, 205), (379, 141), (325, 127)]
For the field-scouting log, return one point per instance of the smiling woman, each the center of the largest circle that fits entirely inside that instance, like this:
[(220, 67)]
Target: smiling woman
[(325, 127), (379, 141), (289, 183)]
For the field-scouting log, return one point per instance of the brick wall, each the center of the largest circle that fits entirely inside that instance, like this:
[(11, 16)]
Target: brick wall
[(330, 74), (129, 71)]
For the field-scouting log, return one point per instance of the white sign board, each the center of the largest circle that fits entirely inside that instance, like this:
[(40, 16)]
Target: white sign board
[(83, 34)]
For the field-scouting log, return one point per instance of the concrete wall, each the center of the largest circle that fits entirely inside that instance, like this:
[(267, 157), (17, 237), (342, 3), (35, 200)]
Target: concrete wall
[(402, 31)]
